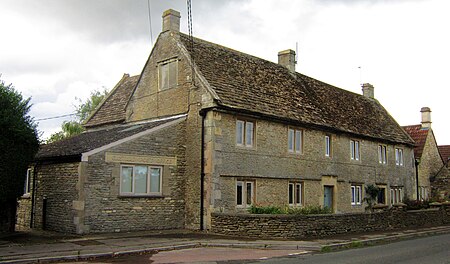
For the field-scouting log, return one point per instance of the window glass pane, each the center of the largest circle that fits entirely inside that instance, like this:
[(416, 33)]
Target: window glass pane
[(358, 194), (352, 149), (173, 74), (291, 193), (126, 179), (357, 150), (140, 179), (298, 194), (163, 77), (155, 180), (397, 162), (291, 139), (353, 194), (249, 133), (327, 146), (381, 196), (298, 141), (239, 193), (249, 193), (239, 132), (401, 157)]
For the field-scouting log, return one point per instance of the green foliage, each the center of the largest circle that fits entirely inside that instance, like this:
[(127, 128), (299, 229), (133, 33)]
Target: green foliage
[(265, 210), (416, 204), (83, 111), (305, 210), (371, 196), (18, 143), (325, 249)]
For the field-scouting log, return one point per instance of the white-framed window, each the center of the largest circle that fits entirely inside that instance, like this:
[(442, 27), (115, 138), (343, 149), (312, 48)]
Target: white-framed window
[(245, 193), (140, 180), (295, 140), (423, 193), (295, 194), (382, 154), (354, 150), (398, 156), (328, 146), (356, 194), (396, 195), (245, 133), (168, 74), (27, 184)]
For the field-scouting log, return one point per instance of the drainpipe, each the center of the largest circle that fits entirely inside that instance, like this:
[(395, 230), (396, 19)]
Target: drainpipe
[(202, 173), (417, 178)]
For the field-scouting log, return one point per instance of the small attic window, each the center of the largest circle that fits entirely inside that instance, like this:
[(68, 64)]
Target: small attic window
[(168, 74)]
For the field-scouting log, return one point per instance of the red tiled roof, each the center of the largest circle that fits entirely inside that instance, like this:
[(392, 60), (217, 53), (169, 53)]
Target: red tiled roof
[(419, 135), (445, 152)]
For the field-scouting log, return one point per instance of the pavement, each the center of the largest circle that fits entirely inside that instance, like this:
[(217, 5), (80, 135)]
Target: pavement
[(44, 246)]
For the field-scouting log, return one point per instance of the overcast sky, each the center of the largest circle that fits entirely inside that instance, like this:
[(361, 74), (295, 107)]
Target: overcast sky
[(56, 50)]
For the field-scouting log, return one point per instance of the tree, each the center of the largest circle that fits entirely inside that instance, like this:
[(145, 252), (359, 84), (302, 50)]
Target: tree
[(18, 143), (83, 110), (371, 196)]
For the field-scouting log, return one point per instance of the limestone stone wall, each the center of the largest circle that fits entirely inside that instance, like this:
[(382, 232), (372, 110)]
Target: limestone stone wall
[(101, 207), (272, 167), (57, 184), (304, 226), (430, 162)]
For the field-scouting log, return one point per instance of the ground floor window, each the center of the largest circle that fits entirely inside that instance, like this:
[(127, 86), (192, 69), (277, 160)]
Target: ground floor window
[(423, 193), (396, 195), (140, 180), (295, 194), (381, 199), (245, 193), (356, 194)]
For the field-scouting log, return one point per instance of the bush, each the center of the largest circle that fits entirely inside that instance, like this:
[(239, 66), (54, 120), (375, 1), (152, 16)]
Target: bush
[(306, 210), (265, 210)]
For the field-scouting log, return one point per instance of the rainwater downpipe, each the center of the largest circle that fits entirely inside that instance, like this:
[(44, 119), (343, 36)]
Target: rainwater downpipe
[(417, 178), (33, 195), (202, 170)]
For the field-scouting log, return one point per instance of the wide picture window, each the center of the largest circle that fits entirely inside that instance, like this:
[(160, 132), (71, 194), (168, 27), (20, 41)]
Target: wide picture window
[(140, 180)]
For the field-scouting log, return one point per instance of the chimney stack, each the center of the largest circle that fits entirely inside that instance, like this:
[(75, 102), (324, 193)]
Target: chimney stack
[(426, 117), (171, 20), (287, 59), (368, 90)]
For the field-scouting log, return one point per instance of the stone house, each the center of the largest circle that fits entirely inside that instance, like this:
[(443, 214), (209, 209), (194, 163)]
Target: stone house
[(205, 129), (428, 160)]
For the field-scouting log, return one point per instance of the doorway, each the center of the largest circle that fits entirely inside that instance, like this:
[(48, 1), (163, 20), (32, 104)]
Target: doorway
[(328, 197)]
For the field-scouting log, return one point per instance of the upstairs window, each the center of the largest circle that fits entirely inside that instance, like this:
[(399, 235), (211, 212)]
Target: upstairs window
[(382, 154), (327, 146), (398, 156), (168, 74), (140, 180), (295, 194), (245, 193), (354, 150), (295, 140), (245, 133)]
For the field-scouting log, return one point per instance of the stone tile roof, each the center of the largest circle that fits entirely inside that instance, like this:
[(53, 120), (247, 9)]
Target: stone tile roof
[(89, 140), (445, 152), (244, 82), (112, 110), (419, 136)]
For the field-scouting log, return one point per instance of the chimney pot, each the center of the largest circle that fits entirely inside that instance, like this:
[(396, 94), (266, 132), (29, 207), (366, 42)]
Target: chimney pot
[(171, 20), (368, 90), (287, 59), (426, 117)]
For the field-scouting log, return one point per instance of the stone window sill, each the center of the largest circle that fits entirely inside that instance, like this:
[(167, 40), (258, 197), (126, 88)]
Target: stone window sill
[(140, 196)]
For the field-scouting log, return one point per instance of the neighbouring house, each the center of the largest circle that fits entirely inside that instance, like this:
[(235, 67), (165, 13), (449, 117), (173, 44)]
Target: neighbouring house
[(205, 129), (428, 160), (440, 185)]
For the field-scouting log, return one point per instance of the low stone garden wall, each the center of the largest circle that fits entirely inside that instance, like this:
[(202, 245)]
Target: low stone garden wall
[(303, 226)]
